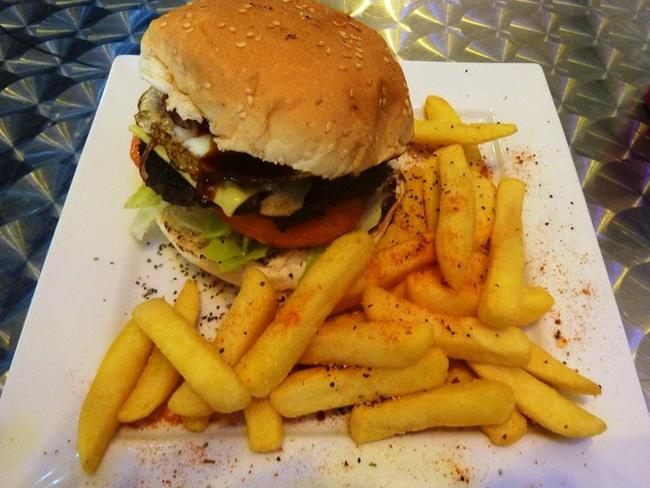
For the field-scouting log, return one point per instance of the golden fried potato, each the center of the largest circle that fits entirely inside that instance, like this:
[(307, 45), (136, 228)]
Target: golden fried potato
[(324, 284), (389, 266), (322, 388), (251, 311), (116, 377), (194, 357), (159, 377), (444, 133), (457, 218), (485, 198), (372, 344), (553, 372), (196, 424), (475, 403), (458, 337), (508, 432), (543, 404), (500, 302), (264, 427)]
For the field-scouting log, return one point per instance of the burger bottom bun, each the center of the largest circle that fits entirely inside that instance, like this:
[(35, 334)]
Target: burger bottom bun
[(283, 269)]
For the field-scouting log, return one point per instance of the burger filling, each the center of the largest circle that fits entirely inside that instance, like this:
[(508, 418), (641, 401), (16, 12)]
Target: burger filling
[(270, 203)]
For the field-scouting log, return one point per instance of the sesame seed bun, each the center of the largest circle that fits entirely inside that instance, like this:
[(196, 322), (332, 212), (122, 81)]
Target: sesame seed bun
[(294, 83)]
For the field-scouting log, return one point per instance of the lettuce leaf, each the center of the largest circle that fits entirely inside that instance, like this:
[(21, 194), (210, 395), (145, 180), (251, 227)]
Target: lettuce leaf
[(143, 220), (204, 221), (143, 197), (229, 253)]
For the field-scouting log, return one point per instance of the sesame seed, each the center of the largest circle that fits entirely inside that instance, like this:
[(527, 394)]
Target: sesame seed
[(242, 115), (383, 90), (330, 147), (369, 137), (358, 65), (250, 100), (243, 10), (407, 103), (186, 25), (250, 34), (163, 24), (240, 44), (358, 49), (328, 127), (319, 100), (232, 28), (320, 44), (188, 15), (359, 55), (276, 23), (386, 59), (189, 30), (369, 82), (347, 55), (207, 84), (343, 34), (342, 67), (221, 25), (240, 108), (248, 90), (351, 93), (258, 38), (346, 132), (328, 51)]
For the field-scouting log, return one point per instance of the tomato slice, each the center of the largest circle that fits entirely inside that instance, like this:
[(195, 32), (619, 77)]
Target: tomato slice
[(337, 220), (134, 151)]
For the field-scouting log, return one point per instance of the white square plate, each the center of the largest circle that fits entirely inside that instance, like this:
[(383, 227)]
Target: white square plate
[(95, 273)]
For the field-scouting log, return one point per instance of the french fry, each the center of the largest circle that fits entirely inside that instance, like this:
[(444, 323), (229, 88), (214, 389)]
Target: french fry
[(459, 372), (389, 266), (323, 388), (371, 344), (196, 424), (324, 284), (187, 403), (475, 403), (504, 434), (159, 377), (426, 289), (264, 427), (551, 371), (458, 337), (444, 133), (431, 192), (251, 311), (457, 218), (543, 404), (500, 302), (116, 377), (508, 432), (535, 302), (409, 220), (193, 357), (438, 109), (346, 318), (399, 290), (485, 198)]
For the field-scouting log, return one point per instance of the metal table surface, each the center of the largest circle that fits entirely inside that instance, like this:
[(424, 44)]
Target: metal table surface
[(55, 56)]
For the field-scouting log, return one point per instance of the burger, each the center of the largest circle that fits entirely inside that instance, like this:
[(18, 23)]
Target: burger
[(266, 133)]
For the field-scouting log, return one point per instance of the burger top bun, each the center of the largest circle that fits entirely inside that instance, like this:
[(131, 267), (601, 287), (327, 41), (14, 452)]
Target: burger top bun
[(294, 83)]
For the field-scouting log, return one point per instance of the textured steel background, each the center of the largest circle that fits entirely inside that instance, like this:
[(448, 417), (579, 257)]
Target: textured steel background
[(55, 56)]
